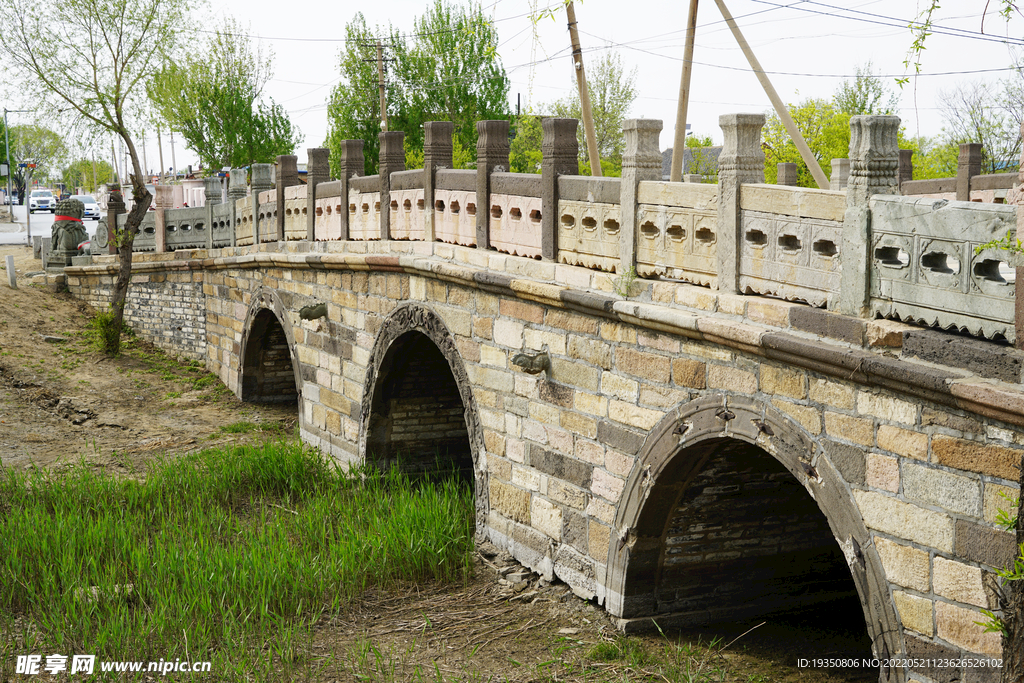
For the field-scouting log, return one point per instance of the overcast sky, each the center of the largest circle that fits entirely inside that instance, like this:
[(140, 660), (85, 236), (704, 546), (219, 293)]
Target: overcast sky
[(808, 48)]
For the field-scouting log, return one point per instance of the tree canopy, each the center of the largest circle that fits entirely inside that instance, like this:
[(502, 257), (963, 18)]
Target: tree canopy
[(89, 174), (447, 70), (214, 98), (37, 145)]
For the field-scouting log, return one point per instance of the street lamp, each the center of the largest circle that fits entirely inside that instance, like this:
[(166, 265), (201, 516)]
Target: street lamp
[(7, 146)]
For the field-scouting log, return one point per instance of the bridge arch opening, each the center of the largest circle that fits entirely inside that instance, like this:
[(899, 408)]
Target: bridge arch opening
[(418, 410), (268, 370), (734, 514)]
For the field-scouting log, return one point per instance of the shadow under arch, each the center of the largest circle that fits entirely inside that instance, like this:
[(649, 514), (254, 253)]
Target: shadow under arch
[(418, 400), (675, 452), (267, 369)]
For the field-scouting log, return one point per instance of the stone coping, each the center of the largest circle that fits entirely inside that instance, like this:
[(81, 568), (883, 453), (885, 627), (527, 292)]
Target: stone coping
[(848, 348)]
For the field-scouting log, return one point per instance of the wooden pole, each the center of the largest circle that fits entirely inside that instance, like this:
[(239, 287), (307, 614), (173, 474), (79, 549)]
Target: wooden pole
[(679, 146), (581, 81), (780, 108), (383, 91), (160, 149)]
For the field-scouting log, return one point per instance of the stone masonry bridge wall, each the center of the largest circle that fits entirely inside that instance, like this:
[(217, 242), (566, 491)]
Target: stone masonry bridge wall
[(677, 431)]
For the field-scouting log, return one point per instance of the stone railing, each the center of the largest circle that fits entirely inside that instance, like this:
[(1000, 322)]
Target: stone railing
[(854, 250), (967, 185)]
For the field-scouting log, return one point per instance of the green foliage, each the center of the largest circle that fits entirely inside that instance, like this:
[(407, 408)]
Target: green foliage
[(702, 162), (612, 93), (865, 95), (87, 173), (449, 70), (38, 145), (105, 334), (214, 98), (237, 548), (525, 155)]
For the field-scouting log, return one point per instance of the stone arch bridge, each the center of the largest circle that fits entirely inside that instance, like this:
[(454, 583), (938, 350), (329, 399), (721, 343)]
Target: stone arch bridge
[(669, 449)]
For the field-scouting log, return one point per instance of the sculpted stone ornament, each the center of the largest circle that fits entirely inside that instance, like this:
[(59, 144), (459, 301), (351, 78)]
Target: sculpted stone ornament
[(67, 232)]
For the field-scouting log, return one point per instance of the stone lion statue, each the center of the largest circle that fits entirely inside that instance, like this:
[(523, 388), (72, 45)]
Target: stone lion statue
[(68, 231)]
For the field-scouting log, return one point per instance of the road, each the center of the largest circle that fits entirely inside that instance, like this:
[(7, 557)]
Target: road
[(14, 233)]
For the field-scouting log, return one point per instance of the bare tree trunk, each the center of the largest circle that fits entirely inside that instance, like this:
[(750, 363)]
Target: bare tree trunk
[(1013, 609), (140, 205)]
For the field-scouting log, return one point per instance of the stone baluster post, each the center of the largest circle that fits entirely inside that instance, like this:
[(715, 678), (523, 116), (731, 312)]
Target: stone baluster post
[(213, 196), (437, 155), (840, 174), (261, 181), (351, 164), (163, 201), (641, 160), (560, 152), (287, 176), (741, 161), (787, 174), (874, 162), (392, 160), (237, 189), (115, 208), (968, 165), (492, 150), (318, 170), (905, 171), (1016, 196)]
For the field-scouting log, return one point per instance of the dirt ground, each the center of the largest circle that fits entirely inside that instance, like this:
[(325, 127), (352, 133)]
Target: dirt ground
[(62, 401)]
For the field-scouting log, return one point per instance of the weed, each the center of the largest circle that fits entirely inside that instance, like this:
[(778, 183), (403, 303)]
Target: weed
[(105, 337), (624, 284)]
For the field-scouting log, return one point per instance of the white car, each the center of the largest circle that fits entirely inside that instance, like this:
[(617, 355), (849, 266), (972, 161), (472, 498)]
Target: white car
[(42, 200), (92, 208)]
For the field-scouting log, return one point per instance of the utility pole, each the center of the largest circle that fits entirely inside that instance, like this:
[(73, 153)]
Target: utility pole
[(679, 146), (95, 182), (780, 108), (174, 163), (117, 167), (10, 170), (383, 91), (160, 146), (581, 81)]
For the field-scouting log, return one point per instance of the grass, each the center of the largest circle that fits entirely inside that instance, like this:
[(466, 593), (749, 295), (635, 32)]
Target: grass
[(227, 555)]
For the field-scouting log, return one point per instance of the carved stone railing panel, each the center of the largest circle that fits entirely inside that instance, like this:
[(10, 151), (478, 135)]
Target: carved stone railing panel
[(222, 228), (923, 265), (328, 218), (407, 214), (455, 216), (243, 222), (515, 224), (268, 220), (146, 239), (186, 228), (588, 234), (295, 211), (364, 215), (677, 235)]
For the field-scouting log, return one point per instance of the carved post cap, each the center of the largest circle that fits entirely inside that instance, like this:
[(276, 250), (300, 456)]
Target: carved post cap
[(641, 151), (840, 174), (741, 146), (874, 155), (492, 139), (164, 196), (438, 134), (392, 150), (262, 177), (237, 185), (288, 169), (559, 136), (319, 165), (352, 160), (212, 190), (787, 174)]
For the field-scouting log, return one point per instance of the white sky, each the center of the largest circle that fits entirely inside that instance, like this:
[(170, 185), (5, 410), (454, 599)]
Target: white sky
[(807, 47)]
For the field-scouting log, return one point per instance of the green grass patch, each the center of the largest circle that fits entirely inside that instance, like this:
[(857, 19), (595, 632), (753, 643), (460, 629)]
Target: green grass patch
[(227, 555), (244, 427)]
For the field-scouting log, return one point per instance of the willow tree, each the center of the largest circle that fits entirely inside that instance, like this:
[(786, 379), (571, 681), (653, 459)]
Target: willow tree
[(85, 64)]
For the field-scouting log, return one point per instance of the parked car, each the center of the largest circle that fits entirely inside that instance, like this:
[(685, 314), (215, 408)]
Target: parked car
[(92, 208), (42, 200)]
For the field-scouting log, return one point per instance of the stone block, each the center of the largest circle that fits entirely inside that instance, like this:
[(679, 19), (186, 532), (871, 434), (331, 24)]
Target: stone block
[(634, 416), (554, 341), (850, 428), (808, 417), (689, 373), (508, 333), (926, 655), (572, 322), (641, 364), (542, 412), (985, 545), (619, 464), (661, 342), (601, 510), (779, 381), (903, 520), (832, 394), (494, 443), (959, 582), (930, 416), (590, 350), (493, 356), (980, 357), (886, 408), (915, 612), (696, 297), (617, 332), (662, 397), (498, 380), (827, 324), (555, 393), (617, 386), (522, 311), (591, 404), (903, 442), (510, 501), (575, 530), (599, 535), (886, 333), (607, 486), (849, 460), (526, 477), (904, 565), (575, 374), (731, 379), (565, 494), (957, 625), (579, 425), (995, 500), (546, 517), (933, 486), (972, 456), (883, 472), (561, 467)]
